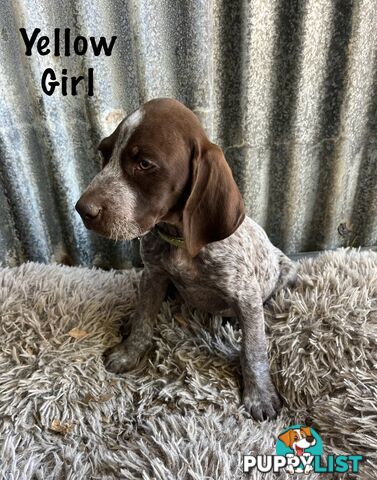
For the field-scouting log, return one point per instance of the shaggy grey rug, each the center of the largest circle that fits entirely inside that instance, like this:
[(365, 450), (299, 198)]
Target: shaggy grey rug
[(178, 415)]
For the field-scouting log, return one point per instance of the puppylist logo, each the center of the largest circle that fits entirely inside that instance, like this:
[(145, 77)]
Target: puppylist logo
[(299, 450)]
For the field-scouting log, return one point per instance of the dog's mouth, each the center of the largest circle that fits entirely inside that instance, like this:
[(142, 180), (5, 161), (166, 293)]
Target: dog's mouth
[(299, 451), (114, 223), (122, 230), (116, 230)]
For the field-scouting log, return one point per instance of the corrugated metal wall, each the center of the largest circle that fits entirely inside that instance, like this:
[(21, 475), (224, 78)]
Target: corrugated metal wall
[(287, 88)]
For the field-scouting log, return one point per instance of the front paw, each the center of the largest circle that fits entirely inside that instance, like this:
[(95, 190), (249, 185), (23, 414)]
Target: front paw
[(120, 359), (262, 405)]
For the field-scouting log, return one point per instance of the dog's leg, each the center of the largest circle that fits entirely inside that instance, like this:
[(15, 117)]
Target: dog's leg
[(125, 356), (259, 394), (288, 272)]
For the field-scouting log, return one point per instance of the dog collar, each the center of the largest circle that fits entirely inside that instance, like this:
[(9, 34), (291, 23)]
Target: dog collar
[(175, 241)]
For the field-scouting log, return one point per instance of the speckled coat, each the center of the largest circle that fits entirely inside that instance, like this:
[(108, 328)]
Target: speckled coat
[(161, 170), (232, 277)]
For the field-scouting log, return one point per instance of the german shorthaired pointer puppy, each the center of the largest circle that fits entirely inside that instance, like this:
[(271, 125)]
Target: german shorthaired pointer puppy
[(164, 181)]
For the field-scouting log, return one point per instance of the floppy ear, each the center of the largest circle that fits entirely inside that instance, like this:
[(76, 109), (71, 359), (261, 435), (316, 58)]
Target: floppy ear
[(105, 148), (214, 209), (287, 438), (107, 144)]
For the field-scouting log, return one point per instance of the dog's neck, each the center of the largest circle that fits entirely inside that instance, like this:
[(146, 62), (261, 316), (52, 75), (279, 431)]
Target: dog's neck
[(172, 224), (170, 229), (171, 234)]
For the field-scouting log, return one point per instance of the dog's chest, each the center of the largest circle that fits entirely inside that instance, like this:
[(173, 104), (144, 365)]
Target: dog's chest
[(196, 282), (180, 265)]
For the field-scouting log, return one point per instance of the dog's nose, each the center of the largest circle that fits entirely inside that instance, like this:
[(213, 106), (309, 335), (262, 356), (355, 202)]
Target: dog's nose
[(310, 439), (88, 211)]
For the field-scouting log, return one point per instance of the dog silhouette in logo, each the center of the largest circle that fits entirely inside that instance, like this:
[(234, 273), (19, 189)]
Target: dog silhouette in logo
[(298, 439)]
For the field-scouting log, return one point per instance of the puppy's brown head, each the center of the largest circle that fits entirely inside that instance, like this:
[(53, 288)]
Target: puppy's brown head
[(159, 166)]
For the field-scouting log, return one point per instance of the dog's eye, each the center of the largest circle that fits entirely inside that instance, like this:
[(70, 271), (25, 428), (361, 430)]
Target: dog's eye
[(144, 164)]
